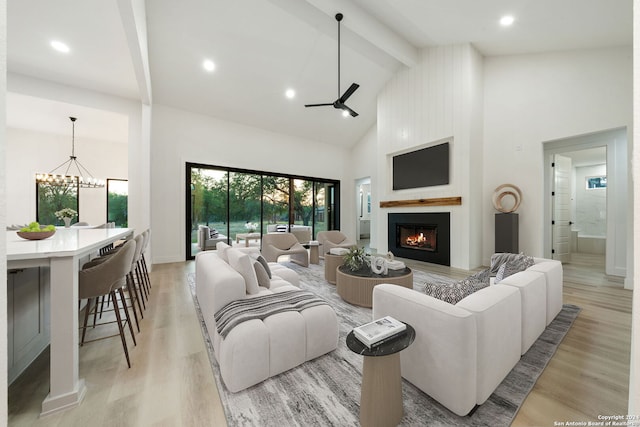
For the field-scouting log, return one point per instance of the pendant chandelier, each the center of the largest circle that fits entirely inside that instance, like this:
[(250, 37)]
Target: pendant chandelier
[(83, 178)]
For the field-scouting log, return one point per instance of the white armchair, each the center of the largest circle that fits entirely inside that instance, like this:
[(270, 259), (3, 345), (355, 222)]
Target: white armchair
[(275, 245), (206, 242), (333, 239)]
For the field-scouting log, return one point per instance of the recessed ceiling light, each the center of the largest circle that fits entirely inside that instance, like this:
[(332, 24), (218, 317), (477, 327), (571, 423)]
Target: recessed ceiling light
[(59, 46), (209, 65), (345, 113), (507, 20), (290, 93)]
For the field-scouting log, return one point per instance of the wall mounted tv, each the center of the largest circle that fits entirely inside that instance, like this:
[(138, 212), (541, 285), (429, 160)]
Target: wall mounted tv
[(421, 168)]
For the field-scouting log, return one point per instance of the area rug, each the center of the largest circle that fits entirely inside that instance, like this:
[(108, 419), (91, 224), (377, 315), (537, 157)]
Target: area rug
[(326, 390)]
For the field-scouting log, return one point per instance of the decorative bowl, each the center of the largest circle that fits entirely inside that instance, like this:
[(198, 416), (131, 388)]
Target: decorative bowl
[(36, 235)]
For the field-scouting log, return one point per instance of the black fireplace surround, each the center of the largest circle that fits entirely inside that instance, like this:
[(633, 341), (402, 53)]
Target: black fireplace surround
[(432, 240)]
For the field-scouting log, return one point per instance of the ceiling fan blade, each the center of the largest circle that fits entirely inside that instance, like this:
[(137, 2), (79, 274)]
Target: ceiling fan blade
[(318, 105), (348, 92), (353, 113)]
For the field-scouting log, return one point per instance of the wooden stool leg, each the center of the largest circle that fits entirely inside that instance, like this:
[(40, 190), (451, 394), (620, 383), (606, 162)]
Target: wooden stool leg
[(381, 398), (86, 320), (126, 314), (131, 289), (119, 319)]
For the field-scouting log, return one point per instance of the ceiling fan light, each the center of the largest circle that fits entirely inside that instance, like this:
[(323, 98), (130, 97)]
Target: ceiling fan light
[(290, 93), (208, 65), (60, 46), (345, 113), (507, 20)]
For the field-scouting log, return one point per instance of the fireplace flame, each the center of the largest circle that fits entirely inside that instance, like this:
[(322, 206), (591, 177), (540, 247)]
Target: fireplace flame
[(416, 240)]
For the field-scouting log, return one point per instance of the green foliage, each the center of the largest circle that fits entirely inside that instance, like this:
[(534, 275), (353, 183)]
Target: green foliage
[(255, 198), (356, 259), (52, 198), (117, 209)]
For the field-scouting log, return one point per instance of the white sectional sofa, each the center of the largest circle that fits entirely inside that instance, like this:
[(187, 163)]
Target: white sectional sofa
[(258, 349), (462, 352)]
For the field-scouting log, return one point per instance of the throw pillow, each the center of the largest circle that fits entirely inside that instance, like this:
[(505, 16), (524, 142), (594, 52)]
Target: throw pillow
[(261, 274), (507, 269), (242, 264), (521, 259), (476, 281), (265, 264), (222, 248), (213, 233), (282, 228), (449, 292)]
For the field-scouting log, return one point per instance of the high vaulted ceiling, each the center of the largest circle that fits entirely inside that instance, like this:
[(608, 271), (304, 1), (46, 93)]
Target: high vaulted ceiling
[(263, 47)]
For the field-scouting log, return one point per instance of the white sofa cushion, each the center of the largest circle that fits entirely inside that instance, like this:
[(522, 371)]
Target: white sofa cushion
[(243, 264), (255, 348), (533, 296), (222, 248), (442, 359), (498, 318), (552, 271)]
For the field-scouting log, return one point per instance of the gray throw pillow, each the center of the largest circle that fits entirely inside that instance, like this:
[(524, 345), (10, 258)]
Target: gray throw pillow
[(449, 292), (522, 260), (507, 269), (481, 276), (261, 275), (265, 264)]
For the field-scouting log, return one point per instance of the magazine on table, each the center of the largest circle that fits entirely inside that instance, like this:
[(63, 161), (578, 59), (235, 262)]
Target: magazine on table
[(378, 331)]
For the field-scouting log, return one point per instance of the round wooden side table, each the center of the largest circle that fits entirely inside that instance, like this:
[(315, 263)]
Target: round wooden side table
[(381, 394), (357, 287), (331, 263)]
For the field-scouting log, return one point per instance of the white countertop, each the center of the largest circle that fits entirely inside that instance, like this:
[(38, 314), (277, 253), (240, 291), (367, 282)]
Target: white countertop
[(66, 242)]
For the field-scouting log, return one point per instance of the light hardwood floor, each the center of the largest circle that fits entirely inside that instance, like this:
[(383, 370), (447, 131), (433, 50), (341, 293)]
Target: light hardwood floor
[(171, 384)]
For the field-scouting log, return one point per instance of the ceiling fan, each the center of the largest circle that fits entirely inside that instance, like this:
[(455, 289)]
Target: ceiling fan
[(340, 102)]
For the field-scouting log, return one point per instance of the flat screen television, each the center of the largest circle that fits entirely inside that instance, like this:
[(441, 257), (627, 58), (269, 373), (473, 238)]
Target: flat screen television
[(421, 168)]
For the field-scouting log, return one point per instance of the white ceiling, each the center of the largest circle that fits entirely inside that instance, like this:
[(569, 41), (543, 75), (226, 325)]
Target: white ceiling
[(262, 47)]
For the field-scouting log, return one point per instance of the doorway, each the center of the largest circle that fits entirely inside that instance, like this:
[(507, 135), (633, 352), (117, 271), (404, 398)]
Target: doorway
[(363, 209), (586, 203)]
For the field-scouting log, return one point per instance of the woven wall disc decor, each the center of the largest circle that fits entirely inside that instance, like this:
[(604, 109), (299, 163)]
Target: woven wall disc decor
[(506, 190)]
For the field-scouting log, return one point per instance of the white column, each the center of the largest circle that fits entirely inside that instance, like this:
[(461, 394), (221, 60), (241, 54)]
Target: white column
[(66, 389)]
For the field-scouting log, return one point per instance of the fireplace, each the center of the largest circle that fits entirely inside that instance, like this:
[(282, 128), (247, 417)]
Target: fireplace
[(420, 236)]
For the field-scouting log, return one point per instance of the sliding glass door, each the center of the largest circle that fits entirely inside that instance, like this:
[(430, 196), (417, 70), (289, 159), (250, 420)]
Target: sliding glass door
[(244, 204), (208, 200), (275, 202), (235, 202)]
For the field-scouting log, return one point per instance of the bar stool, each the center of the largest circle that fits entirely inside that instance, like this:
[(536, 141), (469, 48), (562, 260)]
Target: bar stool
[(107, 278)]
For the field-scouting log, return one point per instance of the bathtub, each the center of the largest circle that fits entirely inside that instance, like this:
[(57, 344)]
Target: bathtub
[(591, 244)]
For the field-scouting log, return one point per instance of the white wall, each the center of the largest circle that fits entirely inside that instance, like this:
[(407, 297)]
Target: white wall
[(178, 137), (439, 99), (363, 166), (138, 119), (32, 152), (591, 205), (530, 99), (634, 374), (3, 204)]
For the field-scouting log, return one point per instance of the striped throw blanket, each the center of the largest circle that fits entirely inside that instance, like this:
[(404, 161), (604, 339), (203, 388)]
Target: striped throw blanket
[(262, 307)]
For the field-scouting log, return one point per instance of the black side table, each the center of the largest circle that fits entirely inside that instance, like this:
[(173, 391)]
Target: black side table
[(381, 395)]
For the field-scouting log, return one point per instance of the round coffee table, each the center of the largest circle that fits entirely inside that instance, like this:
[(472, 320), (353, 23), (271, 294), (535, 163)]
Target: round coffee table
[(381, 394), (356, 287)]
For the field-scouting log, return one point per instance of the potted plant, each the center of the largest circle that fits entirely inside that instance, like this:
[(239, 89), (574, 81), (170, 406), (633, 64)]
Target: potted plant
[(251, 227), (356, 259), (66, 215)]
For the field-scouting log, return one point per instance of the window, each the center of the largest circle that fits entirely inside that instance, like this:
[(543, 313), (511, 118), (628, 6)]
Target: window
[(117, 201), (51, 198), (232, 201), (594, 182)]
